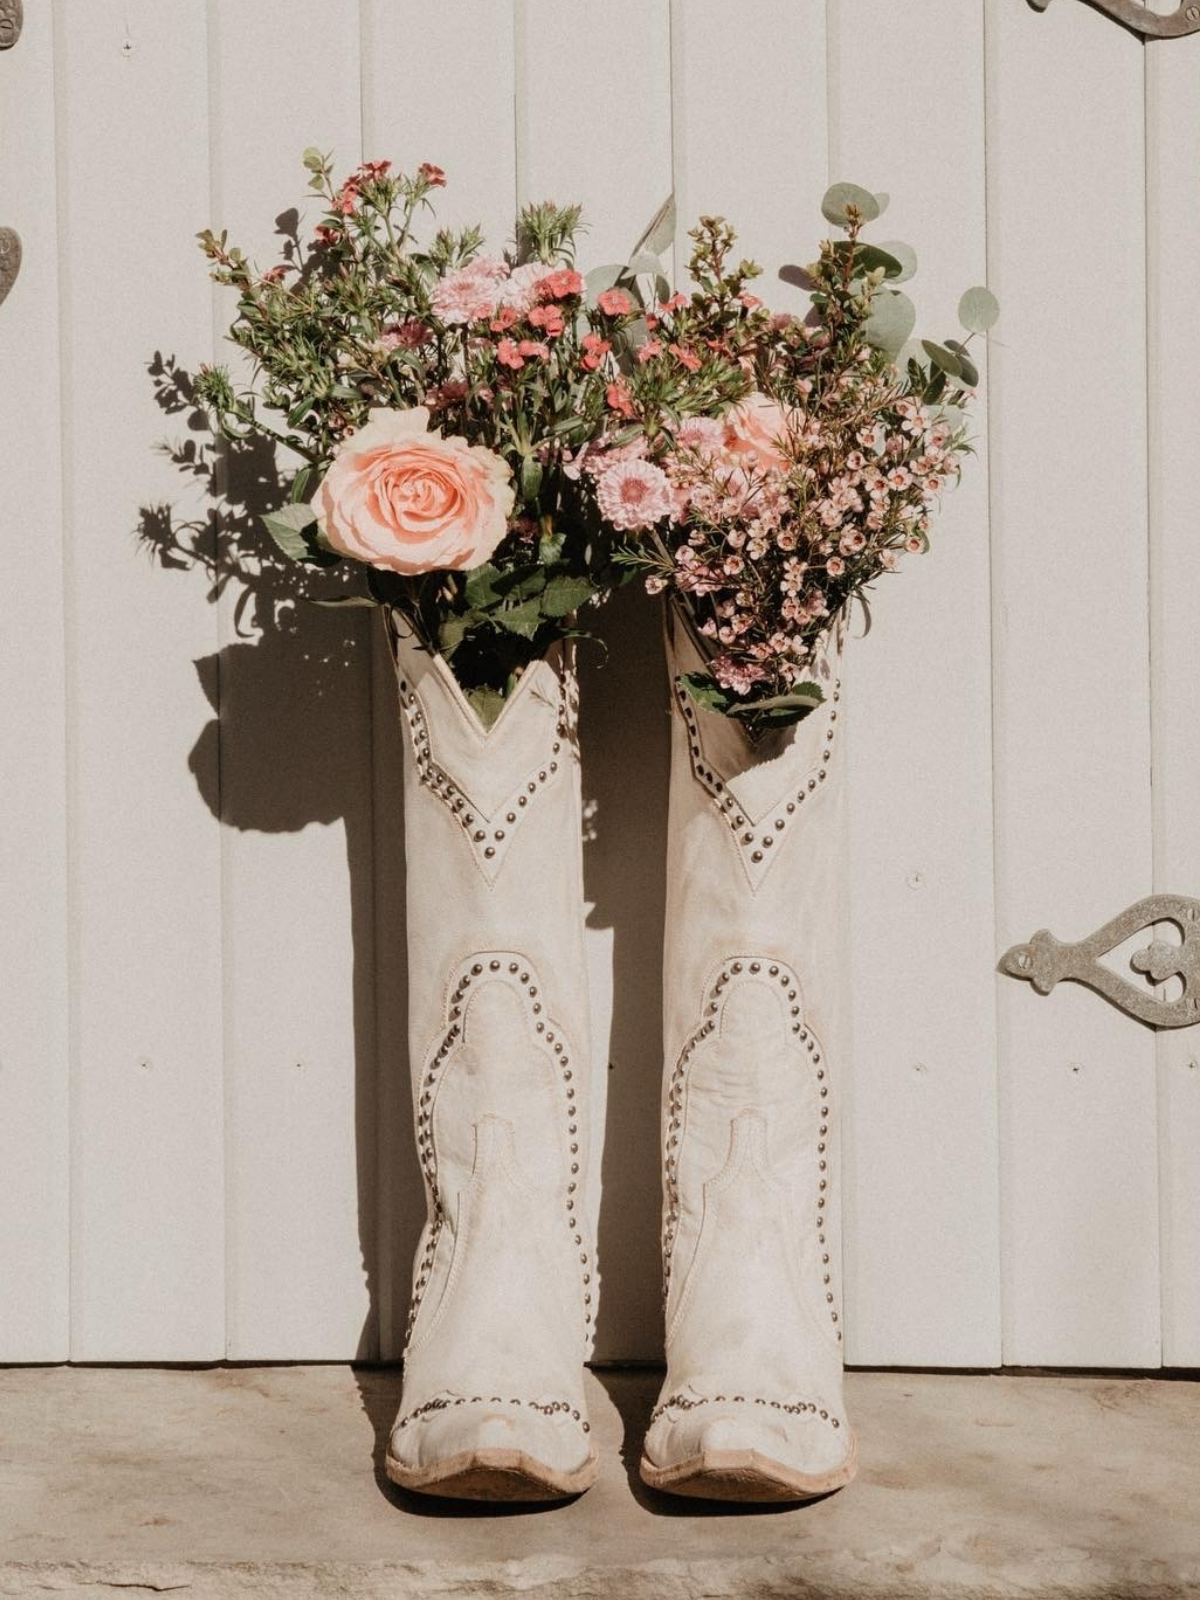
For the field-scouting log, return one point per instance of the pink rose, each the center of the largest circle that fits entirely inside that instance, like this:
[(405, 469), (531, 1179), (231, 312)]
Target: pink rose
[(752, 430), (399, 497)]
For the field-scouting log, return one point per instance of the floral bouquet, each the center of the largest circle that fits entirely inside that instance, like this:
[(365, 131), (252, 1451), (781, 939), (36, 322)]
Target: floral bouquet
[(439, 399), (777, 515)]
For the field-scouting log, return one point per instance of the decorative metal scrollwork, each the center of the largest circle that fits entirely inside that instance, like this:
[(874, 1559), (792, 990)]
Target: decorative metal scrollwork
[(1045, 961), (10, 260), (1141, 20)]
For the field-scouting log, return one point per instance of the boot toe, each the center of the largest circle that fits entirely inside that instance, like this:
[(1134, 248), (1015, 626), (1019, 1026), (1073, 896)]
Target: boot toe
[(740, 1454), (492, 1453)]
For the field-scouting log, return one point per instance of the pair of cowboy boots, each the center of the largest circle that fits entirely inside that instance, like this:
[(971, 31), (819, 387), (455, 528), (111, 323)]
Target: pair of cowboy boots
[(505, 1284)]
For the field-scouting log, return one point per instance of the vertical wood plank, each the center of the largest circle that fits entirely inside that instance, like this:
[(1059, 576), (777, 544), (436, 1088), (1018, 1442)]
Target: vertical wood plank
[(1173, 181), (34, 1226), (922, 1246), (147, 1256), (295, 767), (612, 154), (437, 86), (1072, 691)]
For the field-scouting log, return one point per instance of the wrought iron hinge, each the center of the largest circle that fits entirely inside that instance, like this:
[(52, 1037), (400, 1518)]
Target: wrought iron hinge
[(10, 260), (1045, 961), (12, 18), (1141, 20)]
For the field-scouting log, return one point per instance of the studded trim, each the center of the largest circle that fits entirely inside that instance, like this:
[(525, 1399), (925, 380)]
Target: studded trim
[(794, 1408), (487, 836), (548, 1408), (780, 973), (756, 838), (516, 970)]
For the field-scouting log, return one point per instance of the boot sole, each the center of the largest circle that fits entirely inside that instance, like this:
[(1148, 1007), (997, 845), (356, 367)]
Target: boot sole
[(746, 1475), (508, 1475)]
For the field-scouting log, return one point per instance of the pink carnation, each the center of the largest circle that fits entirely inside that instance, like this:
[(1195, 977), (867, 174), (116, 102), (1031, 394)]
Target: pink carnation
[(468, 294), (634, 494), (614, 302)]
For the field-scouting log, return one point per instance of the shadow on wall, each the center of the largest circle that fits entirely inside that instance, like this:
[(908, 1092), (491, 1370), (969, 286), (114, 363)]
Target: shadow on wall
[(295, 742)]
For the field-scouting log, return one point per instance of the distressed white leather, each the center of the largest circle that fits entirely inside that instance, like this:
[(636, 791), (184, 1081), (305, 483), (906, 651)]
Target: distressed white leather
[(504, 1283), (752, 973)]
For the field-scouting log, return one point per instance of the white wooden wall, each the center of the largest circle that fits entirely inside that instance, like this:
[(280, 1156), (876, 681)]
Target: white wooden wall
[(204, 1138)]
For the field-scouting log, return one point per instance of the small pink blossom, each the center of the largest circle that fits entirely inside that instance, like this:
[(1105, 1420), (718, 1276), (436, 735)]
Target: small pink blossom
[(835, 566), (649, 350), (614, 302), (634, 494), (433, 175), (740, 676), (508, 355), (594, 350)]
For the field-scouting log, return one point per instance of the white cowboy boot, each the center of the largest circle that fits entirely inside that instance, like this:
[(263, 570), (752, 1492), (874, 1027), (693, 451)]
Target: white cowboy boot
[(752, 1407), (504, 1287)]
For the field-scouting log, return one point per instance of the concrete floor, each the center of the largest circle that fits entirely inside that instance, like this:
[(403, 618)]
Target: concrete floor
[(267, 1482)]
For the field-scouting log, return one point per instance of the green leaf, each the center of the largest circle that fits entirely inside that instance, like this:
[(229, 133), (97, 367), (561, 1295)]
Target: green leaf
[(705, 690), (839, 199), (348, 600), (893, 317), (294, 530), (945, 360), (870, 257), (313, 159), (804, 697), (601, 278), (978, 310), (643, 261), (486, 702), (452, 631), (480, 587), (660, 230), (970, 372), (531, 479), (550, 547), (565, 594), (904, 254), (524, 619)]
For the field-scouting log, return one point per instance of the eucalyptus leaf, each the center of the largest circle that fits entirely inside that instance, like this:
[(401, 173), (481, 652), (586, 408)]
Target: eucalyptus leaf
[(643, 262), (870, 257), (970, 372), (893, 317), (945, 360), (798, 277), (601, 278), (835, 207), (904, 254), (660, 230), (978, 310)]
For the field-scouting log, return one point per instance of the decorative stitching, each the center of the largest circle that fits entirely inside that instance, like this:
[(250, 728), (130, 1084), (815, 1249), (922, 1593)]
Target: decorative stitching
[(488, 836), (788, 981), (795, 1408), (755, 848), (487, 964), (548, 1408)]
